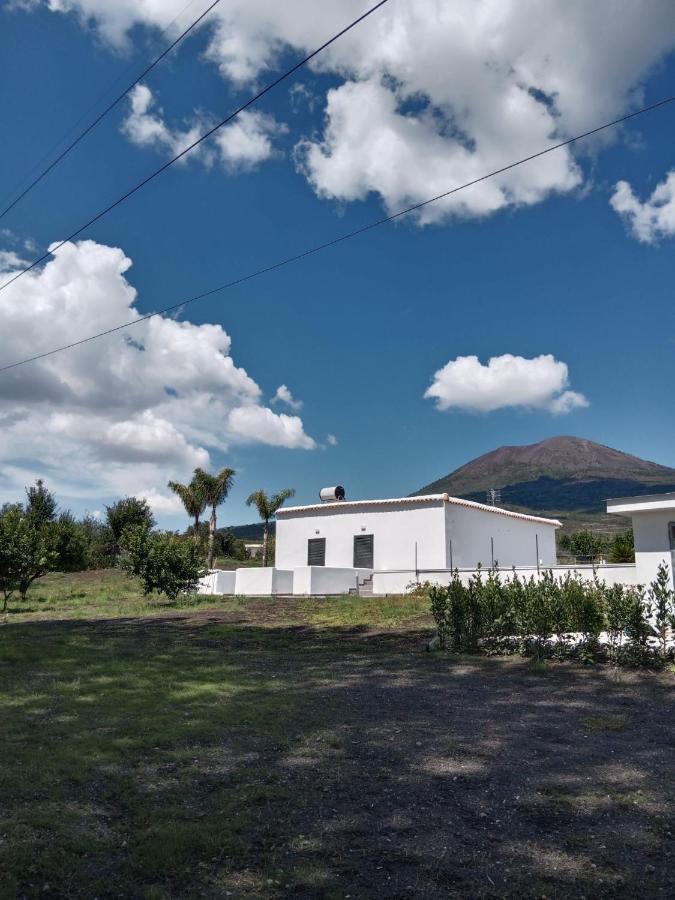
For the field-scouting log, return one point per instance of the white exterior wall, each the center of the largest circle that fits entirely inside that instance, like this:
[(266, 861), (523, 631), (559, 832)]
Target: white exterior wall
[(395, 530), (652, 543), (219, 581), (515, 543), (651, 515), (263, 582), (321, 580)]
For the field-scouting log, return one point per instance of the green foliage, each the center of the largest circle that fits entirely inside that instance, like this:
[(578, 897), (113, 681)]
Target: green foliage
[(661, 599), (267, 509), (67, 538), (25, 553), (40, 504), (213, 490), (192, 497), (127, 513), (584, 543), (622, 548), (164, 562), (541, 616), (99, 543)]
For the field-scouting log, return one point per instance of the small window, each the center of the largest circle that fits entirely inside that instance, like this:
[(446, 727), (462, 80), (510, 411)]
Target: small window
[(316, 552), (364, 551)]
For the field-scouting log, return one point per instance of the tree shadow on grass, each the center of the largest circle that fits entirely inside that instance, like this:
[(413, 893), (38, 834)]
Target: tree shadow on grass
[(192, 757)]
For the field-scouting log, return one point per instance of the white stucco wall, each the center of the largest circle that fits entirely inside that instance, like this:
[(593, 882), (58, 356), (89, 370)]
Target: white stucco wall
[(218, 581), (651, 516), (470, 530), (652, 543), (399, 582), (320, 580), (395, 530), (263, 582)]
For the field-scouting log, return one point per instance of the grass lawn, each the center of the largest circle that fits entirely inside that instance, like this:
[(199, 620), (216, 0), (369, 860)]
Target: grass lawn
[(265, 748)]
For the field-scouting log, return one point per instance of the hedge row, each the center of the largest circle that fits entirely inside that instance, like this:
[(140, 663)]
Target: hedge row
[(563, 617)]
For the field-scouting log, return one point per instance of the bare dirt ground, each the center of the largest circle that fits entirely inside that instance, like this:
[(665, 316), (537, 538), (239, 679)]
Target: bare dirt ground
[(351, 763)]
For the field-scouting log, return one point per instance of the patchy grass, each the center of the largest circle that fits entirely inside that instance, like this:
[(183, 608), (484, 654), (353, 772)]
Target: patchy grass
[(269, 748), (229, 562), (383, 612), (604, 723)]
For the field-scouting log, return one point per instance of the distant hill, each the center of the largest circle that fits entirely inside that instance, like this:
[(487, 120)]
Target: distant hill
[(253, 532), (566, 477)]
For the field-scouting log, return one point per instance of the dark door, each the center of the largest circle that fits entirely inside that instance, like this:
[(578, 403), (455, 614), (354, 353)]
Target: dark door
[(316, 552), (364, 551)]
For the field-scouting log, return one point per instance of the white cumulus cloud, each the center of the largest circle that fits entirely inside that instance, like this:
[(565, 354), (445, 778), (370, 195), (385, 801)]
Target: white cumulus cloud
[(429, 94), (284, 395), (241, 145), (539, 383), (649, 220), (125, 413)]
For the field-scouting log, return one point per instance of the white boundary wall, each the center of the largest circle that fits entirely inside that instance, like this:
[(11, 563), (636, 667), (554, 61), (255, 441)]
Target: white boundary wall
[(263, 582), (219, 581), (398, 582), (316, 581)]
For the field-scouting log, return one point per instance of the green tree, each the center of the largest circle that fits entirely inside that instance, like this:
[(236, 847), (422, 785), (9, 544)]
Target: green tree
[(68, 540), (164, 563), (661, 600), (40, 504), (267, 509), (214, 489), (192, 497), (124, 514), (584, 543), (25, 554), (622, 548), (98, 541)]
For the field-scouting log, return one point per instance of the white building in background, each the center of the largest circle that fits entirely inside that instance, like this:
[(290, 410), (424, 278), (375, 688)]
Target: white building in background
[(653, 517), (384, 545)]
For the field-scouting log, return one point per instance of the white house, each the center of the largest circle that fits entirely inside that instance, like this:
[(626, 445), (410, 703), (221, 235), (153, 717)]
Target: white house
[(653, 517), (331, 547)]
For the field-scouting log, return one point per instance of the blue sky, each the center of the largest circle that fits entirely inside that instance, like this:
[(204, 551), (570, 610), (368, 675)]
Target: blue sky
[(356, 332)]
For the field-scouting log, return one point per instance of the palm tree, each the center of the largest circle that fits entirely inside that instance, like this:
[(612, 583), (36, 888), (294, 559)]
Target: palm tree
[(214, 489), (192, 498), (267, 509)]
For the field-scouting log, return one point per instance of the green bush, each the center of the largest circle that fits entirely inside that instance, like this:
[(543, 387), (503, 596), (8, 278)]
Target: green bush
[(25, 553), (165, 563), (541, 615)]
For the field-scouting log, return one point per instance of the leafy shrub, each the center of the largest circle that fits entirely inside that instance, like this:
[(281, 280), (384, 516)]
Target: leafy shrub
[(541, 615), (127, 513), (164, 563), (25, 553), (622, 548)]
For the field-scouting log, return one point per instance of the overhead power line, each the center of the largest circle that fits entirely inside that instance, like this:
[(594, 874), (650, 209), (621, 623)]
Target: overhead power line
[(105, 112), (196, 143), (341, 238), (92, 106)]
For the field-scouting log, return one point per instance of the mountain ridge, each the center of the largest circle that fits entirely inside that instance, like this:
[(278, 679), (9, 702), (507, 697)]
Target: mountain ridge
[(565, 476)]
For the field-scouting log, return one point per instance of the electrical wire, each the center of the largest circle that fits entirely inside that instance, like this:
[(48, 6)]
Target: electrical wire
[(108, 109), (196, 143), (341, 238)]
